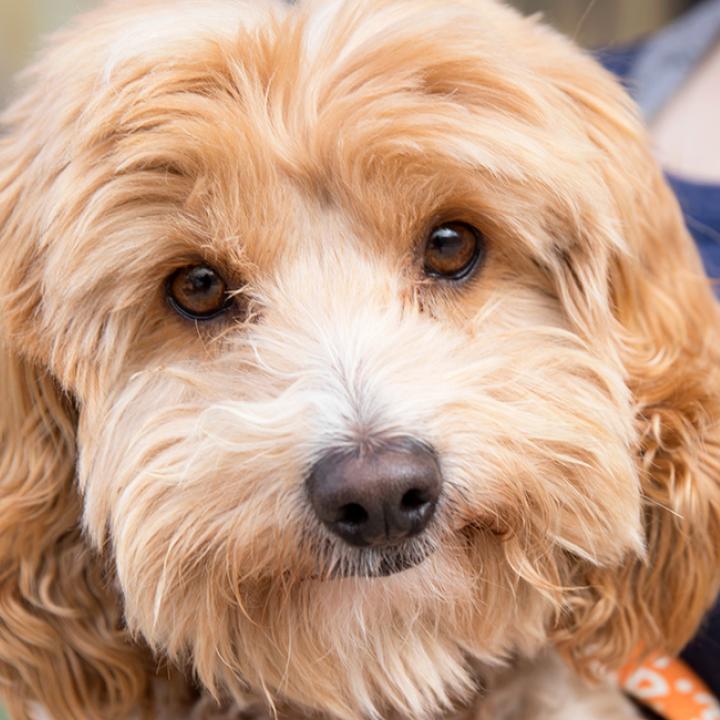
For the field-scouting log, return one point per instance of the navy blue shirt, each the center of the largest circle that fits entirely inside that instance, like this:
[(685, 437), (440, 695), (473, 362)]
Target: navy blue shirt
[(701, 206)]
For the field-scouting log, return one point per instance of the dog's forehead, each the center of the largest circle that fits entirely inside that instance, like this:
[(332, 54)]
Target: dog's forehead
[(309, 80), (370, 106)]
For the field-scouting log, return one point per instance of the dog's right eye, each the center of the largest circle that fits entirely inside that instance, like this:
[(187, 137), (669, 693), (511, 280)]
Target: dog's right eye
[(198, 292)]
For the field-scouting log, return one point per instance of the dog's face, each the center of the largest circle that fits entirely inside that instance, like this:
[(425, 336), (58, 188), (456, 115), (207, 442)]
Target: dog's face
[(357, 311)]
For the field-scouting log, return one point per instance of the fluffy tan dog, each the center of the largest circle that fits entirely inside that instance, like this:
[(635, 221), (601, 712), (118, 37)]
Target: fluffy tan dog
[(350, 351)]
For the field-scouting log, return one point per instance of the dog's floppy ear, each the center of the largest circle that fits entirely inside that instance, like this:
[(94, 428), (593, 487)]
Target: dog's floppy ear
[(60, 641), (62, 644), (668, 328)]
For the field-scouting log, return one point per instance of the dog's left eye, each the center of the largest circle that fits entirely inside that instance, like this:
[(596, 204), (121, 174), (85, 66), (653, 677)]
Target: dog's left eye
[(453, 251), (198, 292)]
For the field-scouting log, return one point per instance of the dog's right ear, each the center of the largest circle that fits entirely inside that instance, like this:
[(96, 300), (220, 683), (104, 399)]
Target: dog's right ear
[(62, 643), (61, 640)]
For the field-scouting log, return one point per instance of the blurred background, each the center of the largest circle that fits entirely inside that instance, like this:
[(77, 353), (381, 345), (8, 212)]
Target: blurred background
[(592, 22)]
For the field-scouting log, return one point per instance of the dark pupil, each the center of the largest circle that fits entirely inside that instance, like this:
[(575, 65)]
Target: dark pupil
[(447, 242), (201, 281)]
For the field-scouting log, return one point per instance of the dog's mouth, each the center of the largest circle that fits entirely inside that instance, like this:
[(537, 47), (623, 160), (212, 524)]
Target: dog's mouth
[(377, 563), (393, 564)]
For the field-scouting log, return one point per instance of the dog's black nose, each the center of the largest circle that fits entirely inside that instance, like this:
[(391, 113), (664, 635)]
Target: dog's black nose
[(376, 497)]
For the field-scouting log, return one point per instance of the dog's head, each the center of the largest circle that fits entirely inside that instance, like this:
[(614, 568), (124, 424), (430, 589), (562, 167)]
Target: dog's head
[(363, 340)]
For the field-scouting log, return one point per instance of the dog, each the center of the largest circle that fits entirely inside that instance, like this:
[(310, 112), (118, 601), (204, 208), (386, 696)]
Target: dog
[(356, 363)]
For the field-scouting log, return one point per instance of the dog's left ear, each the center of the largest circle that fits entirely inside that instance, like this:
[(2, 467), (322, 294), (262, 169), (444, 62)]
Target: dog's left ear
[(667, 325)]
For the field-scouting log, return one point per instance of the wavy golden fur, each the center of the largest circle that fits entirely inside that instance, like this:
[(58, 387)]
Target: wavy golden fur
[(154, 529)]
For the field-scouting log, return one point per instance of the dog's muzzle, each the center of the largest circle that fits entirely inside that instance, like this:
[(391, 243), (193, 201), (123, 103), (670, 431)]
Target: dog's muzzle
[(376, 498)]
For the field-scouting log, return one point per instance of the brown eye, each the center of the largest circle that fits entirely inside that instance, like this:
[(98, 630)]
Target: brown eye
[(453, 251), (197, 293)]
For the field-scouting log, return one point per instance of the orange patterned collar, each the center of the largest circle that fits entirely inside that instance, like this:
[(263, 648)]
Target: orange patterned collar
[(670, 688)]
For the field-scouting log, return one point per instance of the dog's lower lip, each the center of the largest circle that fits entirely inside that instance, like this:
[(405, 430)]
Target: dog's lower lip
[(394, 565)]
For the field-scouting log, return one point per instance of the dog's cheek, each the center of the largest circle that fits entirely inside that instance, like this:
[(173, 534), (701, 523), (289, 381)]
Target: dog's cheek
[(200, 503), (538, 445)]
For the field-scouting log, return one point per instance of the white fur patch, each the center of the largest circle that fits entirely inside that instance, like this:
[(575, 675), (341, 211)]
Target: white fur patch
[(319, 25), (153, 30)]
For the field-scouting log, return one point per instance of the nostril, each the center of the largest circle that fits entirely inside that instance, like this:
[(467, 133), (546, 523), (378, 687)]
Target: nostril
[(352, 514), (413, 499)]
